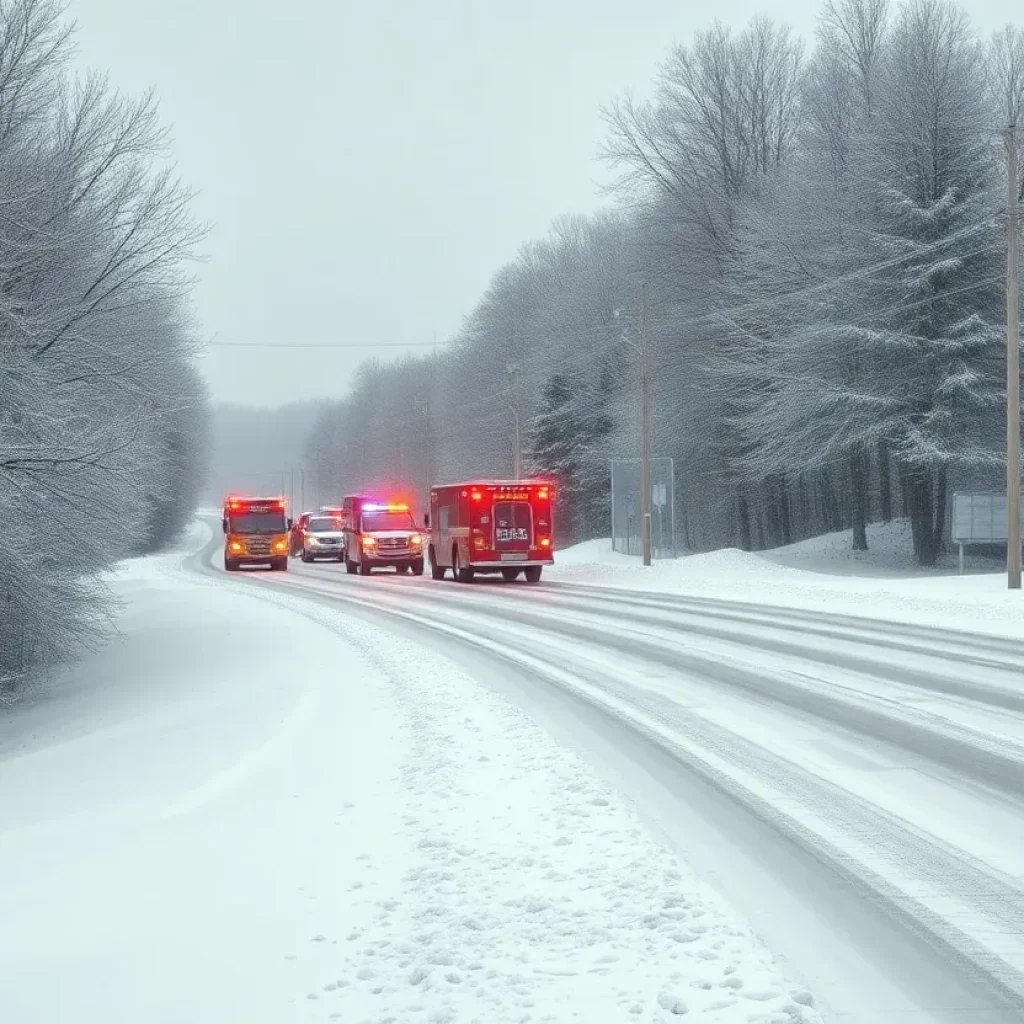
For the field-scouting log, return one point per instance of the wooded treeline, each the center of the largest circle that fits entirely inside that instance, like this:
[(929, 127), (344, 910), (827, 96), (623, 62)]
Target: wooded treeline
[(821, 229), (102, 412)]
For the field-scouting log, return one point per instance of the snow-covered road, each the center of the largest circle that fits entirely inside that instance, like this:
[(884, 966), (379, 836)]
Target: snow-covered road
[(854, 787), (315, 797), (255, 807)]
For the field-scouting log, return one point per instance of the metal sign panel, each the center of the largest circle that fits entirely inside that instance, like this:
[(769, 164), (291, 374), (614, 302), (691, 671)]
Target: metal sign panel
[(626, 504), (980, 518)]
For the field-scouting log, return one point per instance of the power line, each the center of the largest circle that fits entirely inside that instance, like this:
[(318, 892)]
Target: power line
[(320, 344)]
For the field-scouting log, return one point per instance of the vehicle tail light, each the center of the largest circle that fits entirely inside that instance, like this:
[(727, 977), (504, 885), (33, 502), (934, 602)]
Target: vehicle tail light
[(479, 543), (545, 542), (542, 494), (475, 495)]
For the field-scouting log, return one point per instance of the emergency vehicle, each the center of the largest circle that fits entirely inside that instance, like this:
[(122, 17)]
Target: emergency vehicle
[(490, 527), (378, 534), (255, 533)]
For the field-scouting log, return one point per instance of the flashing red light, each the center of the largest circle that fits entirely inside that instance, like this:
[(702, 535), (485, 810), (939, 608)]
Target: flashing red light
[(542, 493), (545, 542), (475, 495)]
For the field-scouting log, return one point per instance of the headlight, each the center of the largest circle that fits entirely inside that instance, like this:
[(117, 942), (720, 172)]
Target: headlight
[(416, 540), (314, 541), (369, 542), (236, 545), (281, 545)]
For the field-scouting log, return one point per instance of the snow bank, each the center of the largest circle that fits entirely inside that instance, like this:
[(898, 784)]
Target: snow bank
[(186, 810), (818, 574)]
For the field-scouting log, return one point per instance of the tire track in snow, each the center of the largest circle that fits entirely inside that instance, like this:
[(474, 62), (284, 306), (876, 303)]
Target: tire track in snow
[(996, 763)]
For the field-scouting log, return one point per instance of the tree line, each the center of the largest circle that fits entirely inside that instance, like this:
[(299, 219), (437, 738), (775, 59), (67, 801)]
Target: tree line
[(821, 232), (102, 412)]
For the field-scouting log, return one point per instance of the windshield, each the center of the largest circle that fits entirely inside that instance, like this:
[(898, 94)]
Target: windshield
[(374, 522), (324, 525), (257, 522)]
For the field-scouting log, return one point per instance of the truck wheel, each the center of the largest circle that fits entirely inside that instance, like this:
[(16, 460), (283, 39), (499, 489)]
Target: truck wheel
[(436, 571), (417, 568), (306, 556), (461, 575), (279, 565), (364, 569), (350, 567), (231, 564), (509, 575), (532, 573)]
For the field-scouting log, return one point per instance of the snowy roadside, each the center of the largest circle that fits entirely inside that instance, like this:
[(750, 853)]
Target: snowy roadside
[(535, 893), (187, 809), (820, 574)]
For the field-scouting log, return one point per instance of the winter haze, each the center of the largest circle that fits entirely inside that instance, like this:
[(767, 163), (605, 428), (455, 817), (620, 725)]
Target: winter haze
[(368, 166)]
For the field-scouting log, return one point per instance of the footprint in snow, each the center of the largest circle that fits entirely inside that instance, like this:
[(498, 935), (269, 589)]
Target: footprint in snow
[(673, 1004)]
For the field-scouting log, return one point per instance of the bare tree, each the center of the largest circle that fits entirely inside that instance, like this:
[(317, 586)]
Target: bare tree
[(101, 413)]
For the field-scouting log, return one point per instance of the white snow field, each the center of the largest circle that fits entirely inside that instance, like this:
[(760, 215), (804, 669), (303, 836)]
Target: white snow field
[(819, 574), (255, 807)]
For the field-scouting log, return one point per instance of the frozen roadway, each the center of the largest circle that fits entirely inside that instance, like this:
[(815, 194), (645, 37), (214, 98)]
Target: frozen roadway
[(855, 788)]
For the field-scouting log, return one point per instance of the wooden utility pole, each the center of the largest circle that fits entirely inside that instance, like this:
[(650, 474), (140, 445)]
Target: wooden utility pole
[(645, 432), (513, 404), (1013, 545)]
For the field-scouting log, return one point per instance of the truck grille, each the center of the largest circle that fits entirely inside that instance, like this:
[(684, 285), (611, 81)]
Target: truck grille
[(392, 544), (258, 547)]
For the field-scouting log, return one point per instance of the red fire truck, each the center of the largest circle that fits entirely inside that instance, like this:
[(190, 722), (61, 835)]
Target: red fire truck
[(491, 526), (255, 533)]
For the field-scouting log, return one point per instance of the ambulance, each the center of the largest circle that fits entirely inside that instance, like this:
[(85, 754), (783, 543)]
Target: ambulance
[(380, 534), (491, 527)]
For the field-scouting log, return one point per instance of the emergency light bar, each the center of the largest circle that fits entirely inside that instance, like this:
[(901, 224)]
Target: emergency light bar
[(373, 507), (236, 503)]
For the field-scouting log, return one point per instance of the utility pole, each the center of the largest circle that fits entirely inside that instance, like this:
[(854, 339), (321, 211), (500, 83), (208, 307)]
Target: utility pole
[(291, 493), (645, 432), (302, 487), (513, 404), (1013, 542)]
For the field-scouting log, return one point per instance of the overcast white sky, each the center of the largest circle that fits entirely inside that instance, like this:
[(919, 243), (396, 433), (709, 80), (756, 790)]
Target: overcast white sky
[(368, 166)]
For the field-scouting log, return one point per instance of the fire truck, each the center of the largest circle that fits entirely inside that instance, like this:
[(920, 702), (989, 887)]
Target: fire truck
[(490, 527), (380, 533), (256, 532)]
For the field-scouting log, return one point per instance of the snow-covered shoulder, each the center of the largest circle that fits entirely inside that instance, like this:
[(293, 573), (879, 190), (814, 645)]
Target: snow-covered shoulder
[(820, 574)]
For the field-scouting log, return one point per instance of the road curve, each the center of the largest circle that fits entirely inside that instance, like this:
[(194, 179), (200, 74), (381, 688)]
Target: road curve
[(856, 788)]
